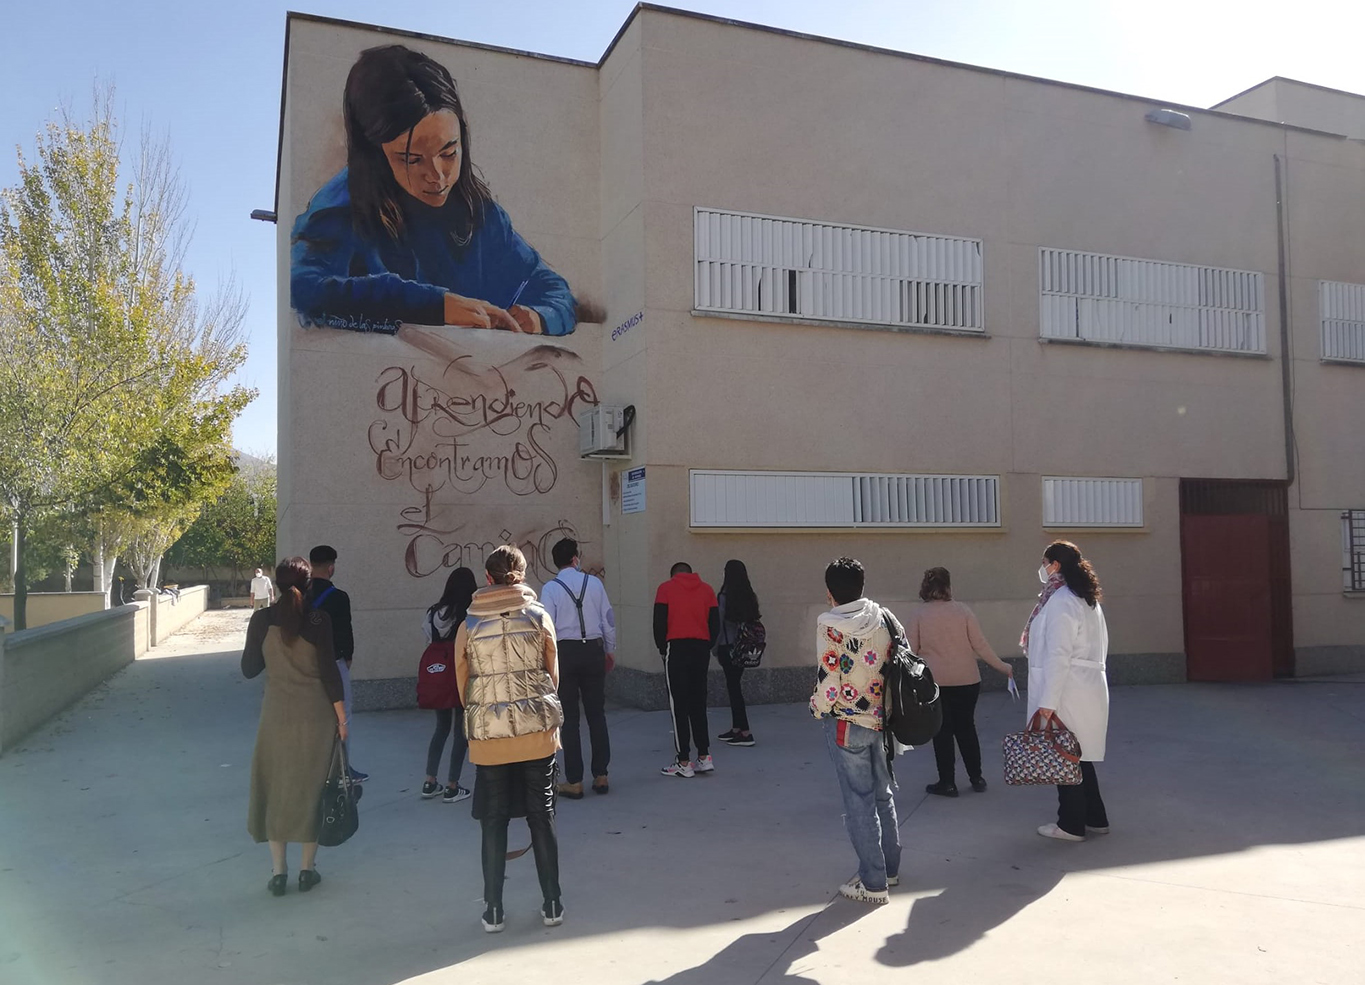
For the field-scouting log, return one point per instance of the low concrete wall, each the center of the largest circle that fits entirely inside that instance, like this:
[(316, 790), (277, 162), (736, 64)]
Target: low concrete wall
[(170, 615), (44, 670), (50, 607), (1323, 661)]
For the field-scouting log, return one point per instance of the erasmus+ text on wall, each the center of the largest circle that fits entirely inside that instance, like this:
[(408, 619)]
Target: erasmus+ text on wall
[(441, 255)]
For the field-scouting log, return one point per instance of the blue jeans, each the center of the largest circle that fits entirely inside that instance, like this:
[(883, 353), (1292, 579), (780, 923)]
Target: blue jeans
[(869, 809)]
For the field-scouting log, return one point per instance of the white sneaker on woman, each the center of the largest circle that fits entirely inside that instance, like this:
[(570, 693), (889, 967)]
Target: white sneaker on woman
[(1052, 831)]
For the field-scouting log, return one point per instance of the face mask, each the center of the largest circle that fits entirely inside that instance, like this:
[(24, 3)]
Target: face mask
[(1042, 573)]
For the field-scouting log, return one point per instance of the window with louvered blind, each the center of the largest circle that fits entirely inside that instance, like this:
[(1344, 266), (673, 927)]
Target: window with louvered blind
[(1098, 298), (769, 266), (1342, 309), (1091, 502), (843, 499)]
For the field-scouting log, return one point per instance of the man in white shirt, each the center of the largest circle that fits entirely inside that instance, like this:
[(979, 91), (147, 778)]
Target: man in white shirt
[(262, 591), (585, 629)]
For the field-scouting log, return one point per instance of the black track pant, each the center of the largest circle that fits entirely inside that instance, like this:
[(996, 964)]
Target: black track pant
[(685, 665)]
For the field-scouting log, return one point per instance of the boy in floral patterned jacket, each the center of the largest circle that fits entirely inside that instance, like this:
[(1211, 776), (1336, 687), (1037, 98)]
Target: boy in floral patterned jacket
[(851, 647)]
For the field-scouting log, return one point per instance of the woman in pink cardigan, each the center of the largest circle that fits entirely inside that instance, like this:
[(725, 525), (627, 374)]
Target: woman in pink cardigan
[(946, 634)]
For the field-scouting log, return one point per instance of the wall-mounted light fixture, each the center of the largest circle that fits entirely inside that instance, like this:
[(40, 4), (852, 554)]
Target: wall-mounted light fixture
[(1169, 118), (264, 215)]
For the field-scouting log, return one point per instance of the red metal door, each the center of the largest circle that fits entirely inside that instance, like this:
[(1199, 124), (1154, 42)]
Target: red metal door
[(1229, 615)]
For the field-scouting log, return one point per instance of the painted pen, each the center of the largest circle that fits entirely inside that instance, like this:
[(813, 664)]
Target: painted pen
[(517, 296)]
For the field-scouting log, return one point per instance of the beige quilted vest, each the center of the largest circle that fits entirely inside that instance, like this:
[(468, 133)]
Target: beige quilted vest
[(509, 693)]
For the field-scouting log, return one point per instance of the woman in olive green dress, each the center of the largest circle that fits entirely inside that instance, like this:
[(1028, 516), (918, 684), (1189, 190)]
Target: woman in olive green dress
[(302, 716)]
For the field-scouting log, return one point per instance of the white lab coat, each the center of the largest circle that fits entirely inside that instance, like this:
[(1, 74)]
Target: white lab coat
[(1067, 648)]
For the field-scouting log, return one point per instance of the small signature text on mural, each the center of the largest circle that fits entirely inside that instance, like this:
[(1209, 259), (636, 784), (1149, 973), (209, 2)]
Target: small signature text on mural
[(627, 325)]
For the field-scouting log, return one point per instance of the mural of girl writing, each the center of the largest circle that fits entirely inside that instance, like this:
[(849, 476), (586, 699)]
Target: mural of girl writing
[(408, 232)]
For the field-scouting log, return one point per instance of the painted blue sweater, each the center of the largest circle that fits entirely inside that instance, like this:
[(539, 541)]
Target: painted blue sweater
[(339, 280)]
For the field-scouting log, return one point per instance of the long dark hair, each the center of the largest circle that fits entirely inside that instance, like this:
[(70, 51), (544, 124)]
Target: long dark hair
[(459, 592), (292, 576), (741, 604), (937, 586), (389, 90), (1077, 572)]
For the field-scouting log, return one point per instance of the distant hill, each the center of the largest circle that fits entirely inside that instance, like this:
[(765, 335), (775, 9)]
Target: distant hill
[(249, 463)]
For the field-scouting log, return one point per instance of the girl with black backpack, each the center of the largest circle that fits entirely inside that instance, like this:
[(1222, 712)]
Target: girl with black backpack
[(440, 623), (738, 607)]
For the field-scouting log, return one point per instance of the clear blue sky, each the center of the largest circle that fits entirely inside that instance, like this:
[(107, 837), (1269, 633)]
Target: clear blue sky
[(209, 74)]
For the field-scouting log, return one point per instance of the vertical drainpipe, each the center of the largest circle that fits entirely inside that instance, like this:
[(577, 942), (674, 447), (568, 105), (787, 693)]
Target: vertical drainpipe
[(1286, 364)]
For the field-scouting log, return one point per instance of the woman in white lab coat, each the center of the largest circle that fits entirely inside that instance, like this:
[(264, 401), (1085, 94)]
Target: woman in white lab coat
[(1067, 644)]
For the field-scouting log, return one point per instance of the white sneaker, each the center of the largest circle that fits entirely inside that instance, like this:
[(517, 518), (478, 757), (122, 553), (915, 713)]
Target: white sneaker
[(856, 891), (893, 881), (705, 765), (680, 768), (1052, 831), (1097, 831), (493, 920)]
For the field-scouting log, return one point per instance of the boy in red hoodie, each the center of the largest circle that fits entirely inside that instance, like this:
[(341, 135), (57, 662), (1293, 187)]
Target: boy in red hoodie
[(686, 623)]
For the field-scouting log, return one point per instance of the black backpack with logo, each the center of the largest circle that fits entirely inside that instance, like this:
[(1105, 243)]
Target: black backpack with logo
[(913, 708)]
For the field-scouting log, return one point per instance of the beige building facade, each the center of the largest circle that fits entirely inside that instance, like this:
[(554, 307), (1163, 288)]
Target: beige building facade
[(857, 302)]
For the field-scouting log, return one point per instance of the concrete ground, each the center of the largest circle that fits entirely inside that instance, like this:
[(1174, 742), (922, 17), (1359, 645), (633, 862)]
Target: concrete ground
[(1238, 853)]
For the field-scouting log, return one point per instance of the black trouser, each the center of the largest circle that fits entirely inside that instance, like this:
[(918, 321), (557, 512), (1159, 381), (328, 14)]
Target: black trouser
[(583, 671), (511, 790), (685, 666), (1079, 806), (449, 722), (959, 722), (739, 715)]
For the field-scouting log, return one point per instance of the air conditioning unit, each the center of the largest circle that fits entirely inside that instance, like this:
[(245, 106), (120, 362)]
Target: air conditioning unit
[(603, 432)]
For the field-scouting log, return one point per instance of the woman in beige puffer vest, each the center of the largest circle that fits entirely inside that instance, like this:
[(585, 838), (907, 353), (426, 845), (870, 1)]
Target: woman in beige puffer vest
[(508, 674)]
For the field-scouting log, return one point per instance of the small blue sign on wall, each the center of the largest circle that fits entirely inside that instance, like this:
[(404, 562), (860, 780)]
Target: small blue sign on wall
[(633, 491)]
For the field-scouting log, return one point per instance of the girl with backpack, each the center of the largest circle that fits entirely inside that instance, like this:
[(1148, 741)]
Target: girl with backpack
[(440, 623), (738, 606)]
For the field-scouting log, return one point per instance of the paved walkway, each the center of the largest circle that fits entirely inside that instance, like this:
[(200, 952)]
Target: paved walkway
[(1238, 854)]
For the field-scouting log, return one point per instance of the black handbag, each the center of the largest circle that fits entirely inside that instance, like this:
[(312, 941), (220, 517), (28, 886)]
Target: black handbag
[(338, 815)]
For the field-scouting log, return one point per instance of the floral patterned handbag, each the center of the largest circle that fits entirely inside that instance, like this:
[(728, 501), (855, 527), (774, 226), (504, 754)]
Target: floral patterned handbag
[(1042, 755)]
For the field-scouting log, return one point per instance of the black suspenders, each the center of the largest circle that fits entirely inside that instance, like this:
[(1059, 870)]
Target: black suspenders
[(578, 604)]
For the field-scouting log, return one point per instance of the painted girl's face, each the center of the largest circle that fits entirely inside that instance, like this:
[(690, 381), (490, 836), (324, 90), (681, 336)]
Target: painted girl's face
[(427, 166)]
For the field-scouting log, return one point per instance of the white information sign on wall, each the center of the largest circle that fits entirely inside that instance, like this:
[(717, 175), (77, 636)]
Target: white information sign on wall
[(633, 491)]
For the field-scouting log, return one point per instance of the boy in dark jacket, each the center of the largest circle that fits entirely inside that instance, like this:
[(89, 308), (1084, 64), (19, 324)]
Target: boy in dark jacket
[(322, 594), (686, 624)]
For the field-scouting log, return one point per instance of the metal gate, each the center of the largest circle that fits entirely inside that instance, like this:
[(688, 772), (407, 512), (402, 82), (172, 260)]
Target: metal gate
[(1234, 547)]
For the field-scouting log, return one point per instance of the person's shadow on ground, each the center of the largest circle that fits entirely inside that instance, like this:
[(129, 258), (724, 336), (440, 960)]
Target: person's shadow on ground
[(749, 958), (941, 926), (1203, 793)]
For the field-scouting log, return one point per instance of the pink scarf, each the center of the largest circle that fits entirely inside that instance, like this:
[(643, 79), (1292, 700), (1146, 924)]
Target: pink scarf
[(1053, 583)]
